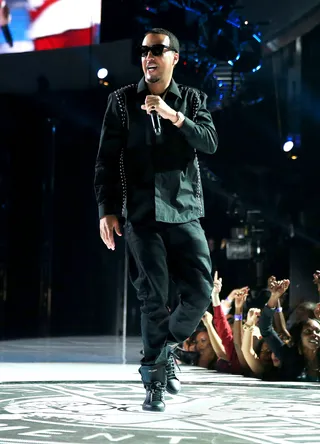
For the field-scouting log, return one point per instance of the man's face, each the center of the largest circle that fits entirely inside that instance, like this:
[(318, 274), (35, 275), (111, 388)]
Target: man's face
[(158, 68)]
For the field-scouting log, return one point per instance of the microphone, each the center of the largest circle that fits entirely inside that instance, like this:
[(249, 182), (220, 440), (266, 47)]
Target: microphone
[(7, 35), (155, 119)]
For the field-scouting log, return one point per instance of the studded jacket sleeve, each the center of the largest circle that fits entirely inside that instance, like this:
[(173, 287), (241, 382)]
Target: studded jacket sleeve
[(200, 132), (107, 181)]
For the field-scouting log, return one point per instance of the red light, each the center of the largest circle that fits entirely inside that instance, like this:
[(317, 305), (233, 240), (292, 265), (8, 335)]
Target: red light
[(185, 63)]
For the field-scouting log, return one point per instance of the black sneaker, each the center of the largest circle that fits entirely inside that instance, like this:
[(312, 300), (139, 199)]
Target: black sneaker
[(173, 383), (154, 380), (154, 401)]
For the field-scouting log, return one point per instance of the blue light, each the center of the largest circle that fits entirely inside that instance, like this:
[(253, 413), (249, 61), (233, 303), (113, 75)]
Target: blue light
[(220, 85), (233, 23), (230, 62), (257, 68), (238, 56), (256, 37), (194, 11)]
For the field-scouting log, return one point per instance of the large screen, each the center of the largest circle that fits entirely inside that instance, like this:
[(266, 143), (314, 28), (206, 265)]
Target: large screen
[(36, 25)]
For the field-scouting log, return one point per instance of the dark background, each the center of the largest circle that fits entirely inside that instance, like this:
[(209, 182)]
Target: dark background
[(57, 278)]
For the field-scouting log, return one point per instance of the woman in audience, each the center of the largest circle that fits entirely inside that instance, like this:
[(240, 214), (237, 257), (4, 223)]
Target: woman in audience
[(301, 358), (207, 356), (197, 350), (262, 362)]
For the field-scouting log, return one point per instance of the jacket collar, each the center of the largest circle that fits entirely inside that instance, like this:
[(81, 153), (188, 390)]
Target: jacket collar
[(173, 87)]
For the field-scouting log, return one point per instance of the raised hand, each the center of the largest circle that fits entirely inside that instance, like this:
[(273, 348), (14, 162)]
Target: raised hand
[(253, 316), (271, 282), (207, 318), (217, 283), (316, 279), (277, 288), (240, 300), (238, 291)]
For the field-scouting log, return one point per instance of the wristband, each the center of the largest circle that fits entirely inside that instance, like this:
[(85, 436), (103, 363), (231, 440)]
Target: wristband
[(237, 317), (279, 309)]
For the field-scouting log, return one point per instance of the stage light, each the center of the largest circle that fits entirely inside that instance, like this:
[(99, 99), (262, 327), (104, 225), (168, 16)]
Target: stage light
[(294, 157), (257, 68), (256, 38), (287, 146), (250, 59), (102, 73)]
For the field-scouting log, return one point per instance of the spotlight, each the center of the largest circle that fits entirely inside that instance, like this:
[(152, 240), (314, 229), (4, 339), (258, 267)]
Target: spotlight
[(257, 68), (294, 157), (102, 73), (287, 146)]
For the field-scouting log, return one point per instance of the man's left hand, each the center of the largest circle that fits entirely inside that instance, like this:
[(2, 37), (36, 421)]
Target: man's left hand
[(155, 103)]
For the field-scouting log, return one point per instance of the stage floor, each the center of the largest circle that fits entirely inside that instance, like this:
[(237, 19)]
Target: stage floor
[(78, 390)]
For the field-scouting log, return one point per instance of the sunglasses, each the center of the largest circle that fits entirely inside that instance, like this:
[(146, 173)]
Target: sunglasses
[(156, 50)]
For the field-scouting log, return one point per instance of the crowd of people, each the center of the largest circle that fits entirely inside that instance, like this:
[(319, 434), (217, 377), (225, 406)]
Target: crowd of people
[(258, 342)]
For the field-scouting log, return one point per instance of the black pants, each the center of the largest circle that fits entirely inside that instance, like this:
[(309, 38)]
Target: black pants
[(163, 251)]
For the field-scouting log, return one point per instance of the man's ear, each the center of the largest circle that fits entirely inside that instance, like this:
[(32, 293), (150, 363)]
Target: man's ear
[(175, 58)]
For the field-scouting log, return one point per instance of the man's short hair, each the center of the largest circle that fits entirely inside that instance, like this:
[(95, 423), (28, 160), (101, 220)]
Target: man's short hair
[(174, 42)]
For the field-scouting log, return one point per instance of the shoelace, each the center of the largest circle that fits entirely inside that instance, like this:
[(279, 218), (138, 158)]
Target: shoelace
[(157, 391), (170, 367)]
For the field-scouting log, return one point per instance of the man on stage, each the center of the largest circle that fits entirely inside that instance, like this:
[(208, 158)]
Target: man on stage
[(147, 155)]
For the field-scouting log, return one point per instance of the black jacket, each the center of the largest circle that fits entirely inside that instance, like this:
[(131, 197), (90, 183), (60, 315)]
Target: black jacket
[(139, 175)]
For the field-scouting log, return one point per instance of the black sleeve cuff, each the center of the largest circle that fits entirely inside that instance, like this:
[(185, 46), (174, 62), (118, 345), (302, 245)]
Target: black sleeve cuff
[(107, 210)]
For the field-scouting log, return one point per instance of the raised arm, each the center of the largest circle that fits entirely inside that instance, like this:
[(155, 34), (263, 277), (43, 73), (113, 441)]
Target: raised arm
[(220, 322), (214, 337), (237, 326), (247, 343), (277, 289), (280, 322), (316, 281)]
